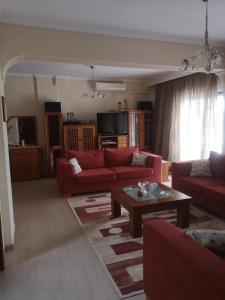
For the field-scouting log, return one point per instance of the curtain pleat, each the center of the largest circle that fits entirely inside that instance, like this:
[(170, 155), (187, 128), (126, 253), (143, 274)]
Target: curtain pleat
[(184, 114)]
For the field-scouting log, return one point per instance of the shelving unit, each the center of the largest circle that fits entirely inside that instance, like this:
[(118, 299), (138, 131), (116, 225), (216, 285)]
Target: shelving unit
[(53, 140), (112, 141), (140, 128), (79, 137)]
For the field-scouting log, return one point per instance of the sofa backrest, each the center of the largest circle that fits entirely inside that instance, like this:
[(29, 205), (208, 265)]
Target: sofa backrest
[(88, 159), (217, 164), (119, 157)]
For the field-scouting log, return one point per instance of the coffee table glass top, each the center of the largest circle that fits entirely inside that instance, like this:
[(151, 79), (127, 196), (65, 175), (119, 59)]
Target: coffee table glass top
[(146, 191)]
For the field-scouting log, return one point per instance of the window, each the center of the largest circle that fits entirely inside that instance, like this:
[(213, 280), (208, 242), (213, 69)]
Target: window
[(218, 139), (201, 124)]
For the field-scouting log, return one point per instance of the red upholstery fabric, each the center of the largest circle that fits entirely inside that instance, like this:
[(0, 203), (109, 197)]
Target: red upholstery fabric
[(217, 192), (124, 172), (64, 173), (155, 162), (213, 198), (88, 159), (79, 188), (205, 191), (195, 184), (181, 168), (92, 180), (95, 175), (217, 164), (119, 157), (176, 267)]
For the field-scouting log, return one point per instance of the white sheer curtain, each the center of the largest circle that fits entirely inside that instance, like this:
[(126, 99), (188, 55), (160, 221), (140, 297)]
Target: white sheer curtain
[(197, 118)]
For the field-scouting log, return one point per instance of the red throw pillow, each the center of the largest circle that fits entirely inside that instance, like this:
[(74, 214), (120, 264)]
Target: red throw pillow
[(88, 159), (119, 157), (217, 164)]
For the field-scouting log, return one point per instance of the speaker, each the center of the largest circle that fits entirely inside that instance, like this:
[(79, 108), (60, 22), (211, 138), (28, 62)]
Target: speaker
[(52, 106), (145, 105)]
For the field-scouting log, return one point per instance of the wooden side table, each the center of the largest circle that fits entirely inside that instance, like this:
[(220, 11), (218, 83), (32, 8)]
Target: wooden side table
[(24, 162), (165, 170)]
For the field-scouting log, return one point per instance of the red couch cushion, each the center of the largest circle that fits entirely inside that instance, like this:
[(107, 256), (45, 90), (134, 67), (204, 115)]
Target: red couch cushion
[(217, 164), (195, 184), (95, 176), (193, 272), (125, 172), (88, 159), (213, 192), (119, 157)]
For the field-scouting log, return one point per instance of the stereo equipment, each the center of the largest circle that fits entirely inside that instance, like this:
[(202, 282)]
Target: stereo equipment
[(52, 106)]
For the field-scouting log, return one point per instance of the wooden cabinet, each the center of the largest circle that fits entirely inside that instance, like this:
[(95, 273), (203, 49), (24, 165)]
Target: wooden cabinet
[(112, 141), (53, 139), (24, 162), (146, 130), (79, 137), (140, 128)]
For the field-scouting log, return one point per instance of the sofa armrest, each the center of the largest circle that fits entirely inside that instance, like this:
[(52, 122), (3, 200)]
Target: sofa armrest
[(176, 267), (155, 162), (180, 169), (65, 175)]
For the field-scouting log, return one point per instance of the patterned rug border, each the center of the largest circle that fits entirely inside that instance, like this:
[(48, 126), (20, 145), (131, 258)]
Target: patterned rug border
[(92, 244), (98, 255)]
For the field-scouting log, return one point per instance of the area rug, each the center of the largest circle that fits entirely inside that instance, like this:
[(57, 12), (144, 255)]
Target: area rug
[(120, 254)]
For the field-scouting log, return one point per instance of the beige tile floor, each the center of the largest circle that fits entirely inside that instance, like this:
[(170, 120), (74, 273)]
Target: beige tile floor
[(52, 258)]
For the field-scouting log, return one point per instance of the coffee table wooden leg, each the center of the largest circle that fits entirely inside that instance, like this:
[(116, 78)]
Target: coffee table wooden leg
[(183, 215), (135, 224), (115, 208)]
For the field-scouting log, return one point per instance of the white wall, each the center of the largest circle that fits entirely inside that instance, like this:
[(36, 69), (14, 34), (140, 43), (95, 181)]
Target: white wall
[(25, 96), (6, 204), (21, 100)]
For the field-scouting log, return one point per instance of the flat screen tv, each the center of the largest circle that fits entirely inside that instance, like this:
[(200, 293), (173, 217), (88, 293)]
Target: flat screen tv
[(112, 123)]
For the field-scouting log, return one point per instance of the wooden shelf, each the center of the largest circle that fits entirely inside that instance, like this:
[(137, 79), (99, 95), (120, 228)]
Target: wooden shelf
[(140, 128), (112, 141)]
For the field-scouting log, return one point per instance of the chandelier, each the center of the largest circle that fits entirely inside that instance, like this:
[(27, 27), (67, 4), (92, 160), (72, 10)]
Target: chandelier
[(206, 56), (93, 93)]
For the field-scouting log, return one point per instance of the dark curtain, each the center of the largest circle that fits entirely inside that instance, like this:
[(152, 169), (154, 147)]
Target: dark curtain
[(167, 108)]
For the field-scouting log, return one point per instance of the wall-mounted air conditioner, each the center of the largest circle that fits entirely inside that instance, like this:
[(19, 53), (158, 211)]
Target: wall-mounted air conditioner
[(110, 86)]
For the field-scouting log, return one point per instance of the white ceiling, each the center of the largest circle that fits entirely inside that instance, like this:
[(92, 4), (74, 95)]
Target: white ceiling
[(82, 71), (167, 20)]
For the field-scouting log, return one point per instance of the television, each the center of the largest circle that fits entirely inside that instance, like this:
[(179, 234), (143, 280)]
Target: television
[(112, 123)]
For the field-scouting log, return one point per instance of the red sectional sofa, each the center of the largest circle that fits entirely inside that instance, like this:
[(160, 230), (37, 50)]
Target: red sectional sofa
[(208, 192), (104, 169), (178, 268)]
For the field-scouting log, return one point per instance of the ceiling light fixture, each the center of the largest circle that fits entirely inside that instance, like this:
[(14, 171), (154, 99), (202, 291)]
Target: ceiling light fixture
[(206, 56), (93, 92)]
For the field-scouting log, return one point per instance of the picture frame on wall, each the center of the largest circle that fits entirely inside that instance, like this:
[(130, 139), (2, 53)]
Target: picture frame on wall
[(70, 116), (4, 110)]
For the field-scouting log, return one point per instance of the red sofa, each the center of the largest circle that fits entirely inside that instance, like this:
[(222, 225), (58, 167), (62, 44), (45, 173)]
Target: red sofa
[(208, 192), (178, 268), (104, 169)]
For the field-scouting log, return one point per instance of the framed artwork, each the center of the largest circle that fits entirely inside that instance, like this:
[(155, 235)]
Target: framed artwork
[(70, 116), (4, 109)]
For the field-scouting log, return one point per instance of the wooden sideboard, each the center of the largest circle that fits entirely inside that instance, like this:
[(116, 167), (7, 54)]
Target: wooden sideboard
[(24, 162)]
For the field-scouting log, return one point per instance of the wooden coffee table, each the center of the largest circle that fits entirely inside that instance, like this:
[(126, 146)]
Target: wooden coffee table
[(136, 208)]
